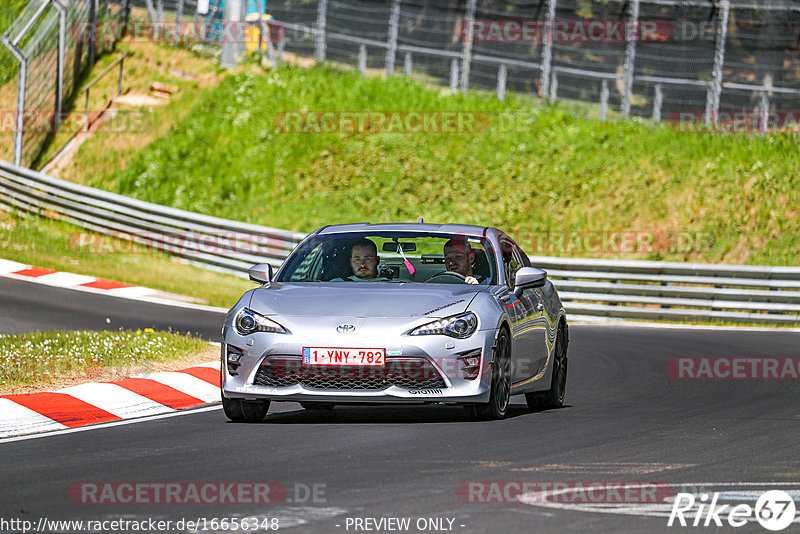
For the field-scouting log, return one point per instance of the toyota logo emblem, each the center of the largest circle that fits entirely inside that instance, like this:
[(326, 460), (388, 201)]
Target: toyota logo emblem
[(346, 328)]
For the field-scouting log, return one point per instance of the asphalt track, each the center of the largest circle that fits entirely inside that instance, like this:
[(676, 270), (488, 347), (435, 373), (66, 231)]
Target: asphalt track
[(626, 420)]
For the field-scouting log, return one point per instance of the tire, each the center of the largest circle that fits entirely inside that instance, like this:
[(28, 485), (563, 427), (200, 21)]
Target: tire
[(317, 405), (242, 411), (554, 397), (500, 393)]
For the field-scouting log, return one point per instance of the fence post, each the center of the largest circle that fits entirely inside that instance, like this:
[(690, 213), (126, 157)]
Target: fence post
[(501, 81), (454, 75), (322, 14), (547, 50), (408, 66), (631, 35), (466, 55), (21, 83), (151, 11), (712, 101), (658, 101), (391, 45), (93, 19), (553, 87), (603, 100), (228, 49), (763, 116), (362, 59), (160, 27), (62, 44), (178, 21)]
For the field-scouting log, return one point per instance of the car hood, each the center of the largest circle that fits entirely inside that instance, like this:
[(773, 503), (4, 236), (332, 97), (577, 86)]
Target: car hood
[(364, 299)]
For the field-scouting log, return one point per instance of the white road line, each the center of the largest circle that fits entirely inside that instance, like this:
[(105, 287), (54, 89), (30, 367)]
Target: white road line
[(111, 424), (187, 384), (116, 400), (16, 420)]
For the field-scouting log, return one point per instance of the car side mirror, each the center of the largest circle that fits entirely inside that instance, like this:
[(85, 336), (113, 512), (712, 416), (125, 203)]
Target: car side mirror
[(261, 273), (528, 278)]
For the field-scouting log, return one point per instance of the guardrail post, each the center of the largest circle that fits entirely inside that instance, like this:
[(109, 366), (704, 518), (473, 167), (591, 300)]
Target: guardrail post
[(466, 55), (322, 15), (501, 81), (603, 100), (631, 36), (362, 59), (454, 75), (658, 101), (547, 51), (408, 65), (712, 100), (391, 45)]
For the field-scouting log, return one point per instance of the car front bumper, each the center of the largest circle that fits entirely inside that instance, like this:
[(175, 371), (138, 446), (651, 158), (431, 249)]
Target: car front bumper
[(417, 368)]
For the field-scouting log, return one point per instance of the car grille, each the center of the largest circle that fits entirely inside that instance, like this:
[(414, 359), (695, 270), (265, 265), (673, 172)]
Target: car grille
[(408, 373)]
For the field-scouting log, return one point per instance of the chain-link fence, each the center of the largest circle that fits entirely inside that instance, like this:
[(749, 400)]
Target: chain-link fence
[(650, 58), (47, 41)]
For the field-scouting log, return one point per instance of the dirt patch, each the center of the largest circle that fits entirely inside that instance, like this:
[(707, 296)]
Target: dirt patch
[(109, 374)]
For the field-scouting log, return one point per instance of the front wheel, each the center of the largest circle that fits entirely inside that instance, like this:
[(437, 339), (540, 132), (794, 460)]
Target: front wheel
[(500, 393), (242, 411), (554, 397)]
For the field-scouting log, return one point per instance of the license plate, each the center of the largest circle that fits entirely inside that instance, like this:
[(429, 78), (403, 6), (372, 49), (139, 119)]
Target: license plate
[(343, 356)]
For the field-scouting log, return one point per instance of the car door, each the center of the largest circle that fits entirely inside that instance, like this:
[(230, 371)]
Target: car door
[(528, 322)]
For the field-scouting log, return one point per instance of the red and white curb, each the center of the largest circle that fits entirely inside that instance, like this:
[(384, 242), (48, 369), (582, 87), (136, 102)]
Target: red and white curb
[(87, 404), (13, 269), (91, 284)]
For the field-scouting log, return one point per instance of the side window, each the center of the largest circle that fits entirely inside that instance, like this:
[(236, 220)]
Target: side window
[(303, 272), (513, 259)]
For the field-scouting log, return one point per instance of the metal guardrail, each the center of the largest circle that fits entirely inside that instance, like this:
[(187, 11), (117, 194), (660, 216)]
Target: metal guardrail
[(212, 242), (652, 290)]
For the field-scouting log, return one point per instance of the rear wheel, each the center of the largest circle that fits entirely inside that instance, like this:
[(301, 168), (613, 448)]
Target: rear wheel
[(242, 411), (553, 397), (500, 393)]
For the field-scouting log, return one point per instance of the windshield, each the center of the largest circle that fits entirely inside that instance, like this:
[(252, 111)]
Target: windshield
[(390, 258)]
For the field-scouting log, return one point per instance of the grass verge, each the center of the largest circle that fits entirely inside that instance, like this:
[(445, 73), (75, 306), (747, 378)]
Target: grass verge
[(551, 174), (63, 247), (43, 359)]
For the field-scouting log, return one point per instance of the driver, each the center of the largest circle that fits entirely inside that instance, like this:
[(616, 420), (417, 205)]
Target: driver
[(459, 257), (364, 262)]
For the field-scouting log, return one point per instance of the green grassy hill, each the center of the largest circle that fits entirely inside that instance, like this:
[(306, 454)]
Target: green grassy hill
[(554, 173)]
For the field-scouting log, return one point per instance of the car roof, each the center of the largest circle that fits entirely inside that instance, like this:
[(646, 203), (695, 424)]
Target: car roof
[(461, 229)]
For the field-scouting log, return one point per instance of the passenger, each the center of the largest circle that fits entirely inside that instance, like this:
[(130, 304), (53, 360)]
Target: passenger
[(459, 258)]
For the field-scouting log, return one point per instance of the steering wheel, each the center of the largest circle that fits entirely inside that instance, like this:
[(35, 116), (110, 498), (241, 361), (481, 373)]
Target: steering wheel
[(459, 278)]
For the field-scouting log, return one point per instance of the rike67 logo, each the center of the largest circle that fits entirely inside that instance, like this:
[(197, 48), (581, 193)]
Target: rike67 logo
[(774, 510)]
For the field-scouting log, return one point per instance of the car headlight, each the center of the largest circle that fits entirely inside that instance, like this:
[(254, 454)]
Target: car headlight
[(459, 326), (247, 322)]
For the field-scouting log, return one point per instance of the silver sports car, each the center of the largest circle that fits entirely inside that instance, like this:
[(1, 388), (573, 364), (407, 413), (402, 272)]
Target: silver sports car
[(397, 313)]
